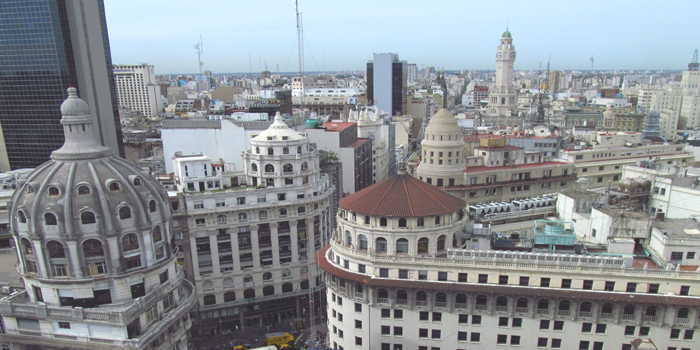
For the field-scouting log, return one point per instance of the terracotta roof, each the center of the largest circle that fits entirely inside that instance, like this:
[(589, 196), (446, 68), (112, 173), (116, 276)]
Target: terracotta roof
[(336, 126), (496, 289), (401, 196)]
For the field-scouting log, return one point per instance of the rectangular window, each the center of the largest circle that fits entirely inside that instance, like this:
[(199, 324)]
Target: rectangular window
[(517, 323), (631, 287), (424, 316), (584, 345), (403, 274), (383, 272), (566, 283), (502, 339), (422, 275), (653, 288), (644, 331), (598, 345), (483, 278), (544, 324), (558, 325), (461, 336), (461, 277), (630, 330), (437, 316), (586, 327), (542, 342), (690, 255), (544, 282), (435, 334), (398, 331), (588, 284), (386, 313), (689, 334), (600, 328), (675, 333), (514, 340), (556, 343), (475, 337), (685, 290), (503, 321), (463, 318), (476, 319), (358, 307), (422, 332), (361, 268), (609, 286), (386, 330), (524, 281), (358, 324), (64, 325), (398, 314), (502, 279), (358, 341), (442, 276), (386, 346)]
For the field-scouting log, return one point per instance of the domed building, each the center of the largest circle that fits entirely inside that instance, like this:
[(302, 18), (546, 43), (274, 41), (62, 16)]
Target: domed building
[(252, 244), (442, 160), (93, 236)]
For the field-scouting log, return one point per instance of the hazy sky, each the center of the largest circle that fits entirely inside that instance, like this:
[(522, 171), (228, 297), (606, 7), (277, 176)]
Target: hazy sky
[(343, 34)]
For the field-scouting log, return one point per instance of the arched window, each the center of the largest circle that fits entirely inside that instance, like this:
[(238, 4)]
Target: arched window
[(83, 189), (651, 311), (130, 242), (267, 276), (348, 238), (242, 216), (229, 296), (366, 220), (606, 309), (382, 222), (270, 151), (298, 149), (381, 245), (50, 219), (682, 313), (421, 222), (87, 217), (269, 168), (137, 181), (522, 303), (152, 206), (543, 304), (285, 150), (262, 214), (30, 189), (287, 288), (402, 222), (114, 186), (209, 299), (304, 285), (286, 274), (92, 248), (249, 293), (421, 296), (53, 191), (441, 243), (268, 290), (585, 307), (21, 217), (382, 294), (301, 210), (55, 250), (221, 218), (124, 213), (283, 212), (207, 285), (362, 240), (402, 246), (253, 167), (564, 305), (461, 299), (287, 168), (304, 166), (481, 300), (628, 310), (401, 295), (257, 150), (157, 236), (501, 301), (441, 297), (423, 245)]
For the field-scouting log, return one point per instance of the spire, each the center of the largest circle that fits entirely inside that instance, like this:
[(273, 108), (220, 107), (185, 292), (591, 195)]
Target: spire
[(79, 142), (279, 122)]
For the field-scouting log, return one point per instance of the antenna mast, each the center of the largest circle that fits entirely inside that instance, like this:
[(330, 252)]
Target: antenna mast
[(693, 65), (300, 42), (200, 50)]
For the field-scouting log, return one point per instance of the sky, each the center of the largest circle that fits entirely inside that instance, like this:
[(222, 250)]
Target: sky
[(341, 35)]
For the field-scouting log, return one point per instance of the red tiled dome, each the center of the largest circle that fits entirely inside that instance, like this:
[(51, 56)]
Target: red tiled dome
[(402, 196)]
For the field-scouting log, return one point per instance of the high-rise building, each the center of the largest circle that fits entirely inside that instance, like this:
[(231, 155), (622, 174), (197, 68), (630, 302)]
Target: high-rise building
[(63, 43), (137, 89), (387, 83), (93, 234), (412, 72), (503, 98)]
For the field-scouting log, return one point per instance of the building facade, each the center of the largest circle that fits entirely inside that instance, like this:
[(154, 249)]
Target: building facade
[(372, 125), (137, 89), (93, 236), (387, 83), (74, 51), (503, 97), (252, 244)]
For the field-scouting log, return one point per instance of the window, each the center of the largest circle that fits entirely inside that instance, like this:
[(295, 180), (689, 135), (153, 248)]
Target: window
[(685, 290), (566, 283), (398, 331), (358, 307), (383, 272), (653, 288), (476, 337), (675, 333), (644, 331), (542, 342), (558, 325), (544, 282), (609, 286), (358, 341), (584, 345), (502, 279), (544, 324), (442, 276), (517, 322), (83, 190), (630, 330), (64, 325), (435, 334), (437, 316), (556, 343), (600, 328), (502, 339), (358, 324), (598, 345), (461, 336), (524, 281), (386, 313), (483, 278), (631, 287), (689, 333), (398, 314), (424, 316), (86, 217), (514, 340), (476, 319), (503, 321)]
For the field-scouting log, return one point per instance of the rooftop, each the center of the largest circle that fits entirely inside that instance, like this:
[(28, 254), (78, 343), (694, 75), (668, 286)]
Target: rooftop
[(475, 169), (337, 126), (401, 196), (679, 229)]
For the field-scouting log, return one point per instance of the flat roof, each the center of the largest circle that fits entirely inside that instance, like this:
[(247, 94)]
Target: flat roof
[(679, 228), (357, 143), (475, 169), (337, 126)]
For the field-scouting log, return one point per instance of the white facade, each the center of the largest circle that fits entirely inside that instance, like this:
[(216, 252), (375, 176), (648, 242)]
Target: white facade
[(503, 97), (137, 89), (371, 124)]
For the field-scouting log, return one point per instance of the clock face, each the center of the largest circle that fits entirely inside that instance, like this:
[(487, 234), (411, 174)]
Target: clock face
[(499, 55), (512, 55)]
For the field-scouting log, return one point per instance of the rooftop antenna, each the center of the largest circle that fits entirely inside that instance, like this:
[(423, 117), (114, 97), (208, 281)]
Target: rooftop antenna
[(200, 50), (693, 65), (592, 62)]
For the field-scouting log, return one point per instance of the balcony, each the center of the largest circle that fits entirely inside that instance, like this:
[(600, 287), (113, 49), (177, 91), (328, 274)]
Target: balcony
[(629, 317), (607, 316), (382, 300), (543, 311), (564, 313), (584, 314), (461, 306), (440, 304), (682, 321), (480, 307), (521, 310), (501, 309)]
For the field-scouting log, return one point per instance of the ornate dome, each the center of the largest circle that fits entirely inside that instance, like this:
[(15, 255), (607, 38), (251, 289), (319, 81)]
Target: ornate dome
[(443, 121), (506, 34), (85, 203)]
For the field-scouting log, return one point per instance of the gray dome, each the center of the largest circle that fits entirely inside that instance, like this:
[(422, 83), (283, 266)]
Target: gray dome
[(84, 193)]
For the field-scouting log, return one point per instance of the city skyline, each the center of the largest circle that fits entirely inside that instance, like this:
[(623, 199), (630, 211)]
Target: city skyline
[(345, 36)]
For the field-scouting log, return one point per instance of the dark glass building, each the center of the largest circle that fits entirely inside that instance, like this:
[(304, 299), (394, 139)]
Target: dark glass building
[(47, 46)]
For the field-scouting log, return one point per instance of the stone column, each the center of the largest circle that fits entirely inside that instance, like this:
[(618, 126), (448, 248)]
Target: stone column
[(195, 256), (531, 307), (670, 314), (214, 251), (595, 311), (75, 267), (575, 304), (293, 236), (511, 305), (638, 314), (112, 261), (617, 312), (274, 234), (40, 261), (660, 313), (255, 246), (147, 256), (234, 251)]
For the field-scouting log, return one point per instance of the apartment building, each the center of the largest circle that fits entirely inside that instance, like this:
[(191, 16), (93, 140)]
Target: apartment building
[(137, 89)]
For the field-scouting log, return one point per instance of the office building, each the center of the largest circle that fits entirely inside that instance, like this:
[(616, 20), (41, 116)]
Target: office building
[(64, 43), (93, 234), (137, 89), (387, 83)]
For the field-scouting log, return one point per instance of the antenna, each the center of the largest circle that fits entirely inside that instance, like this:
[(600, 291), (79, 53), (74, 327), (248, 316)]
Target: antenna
[(693, 65), (592, 62), (200, 50)]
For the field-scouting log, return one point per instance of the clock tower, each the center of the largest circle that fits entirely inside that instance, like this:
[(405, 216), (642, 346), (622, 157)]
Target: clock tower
[(503, 97)]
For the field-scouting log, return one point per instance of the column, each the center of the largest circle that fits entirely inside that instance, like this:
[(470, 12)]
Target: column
[(75, 267), (293, 236), (660, 313), (617, 312), (112, 260), (214, 251), (638, 314), (693, 314), (234, 249), (147, 254), (195, 257), (255, 246), (531, 307), (553, 307), (274, 232), (511, 305), (241, 318), (575, 304), (39, 256), (670, 314)]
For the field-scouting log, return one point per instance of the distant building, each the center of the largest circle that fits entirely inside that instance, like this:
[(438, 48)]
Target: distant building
[(503, 97), (387, 83), (137, 89), (382, 132)]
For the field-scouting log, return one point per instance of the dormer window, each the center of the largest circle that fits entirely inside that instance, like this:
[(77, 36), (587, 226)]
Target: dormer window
[(137, 181), (30, 189), (83, 190), (87, 217), (270, 151), (114, 186), (152, 206), (270, 138), (124, 213), (50, 219), (285, 138), (53, 191), (21, 217)]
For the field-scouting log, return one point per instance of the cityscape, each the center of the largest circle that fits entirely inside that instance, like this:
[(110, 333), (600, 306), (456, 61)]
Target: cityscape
[(399, 200)]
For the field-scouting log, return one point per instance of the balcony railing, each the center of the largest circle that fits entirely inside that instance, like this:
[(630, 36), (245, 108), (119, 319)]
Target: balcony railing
[(606, 316), (629, 317), (461, 306), (501, 309), (521, 310)]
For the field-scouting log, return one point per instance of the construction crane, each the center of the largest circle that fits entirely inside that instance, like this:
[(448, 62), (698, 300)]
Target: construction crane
[(311, 268), (693, 65)]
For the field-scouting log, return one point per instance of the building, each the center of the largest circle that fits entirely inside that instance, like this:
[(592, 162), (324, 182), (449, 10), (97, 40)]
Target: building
[(355, 154), (603, 159), (394, 282), (334, 102), (252, 234), (35, 75), (93, 235), (387, 83), (137, 89), (372, 125), (503, 97)]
